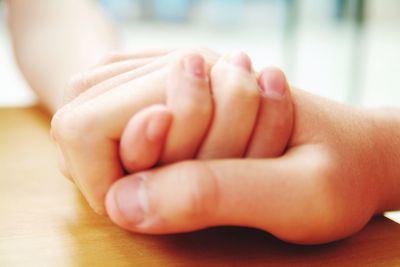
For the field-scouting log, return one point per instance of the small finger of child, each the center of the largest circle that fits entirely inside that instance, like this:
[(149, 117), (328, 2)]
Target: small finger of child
[(236, 100), (81, 82), (275, 117), (189, 99), (143, 138)]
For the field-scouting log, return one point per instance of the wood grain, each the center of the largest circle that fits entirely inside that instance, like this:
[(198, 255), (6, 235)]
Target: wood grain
[(45, 222)]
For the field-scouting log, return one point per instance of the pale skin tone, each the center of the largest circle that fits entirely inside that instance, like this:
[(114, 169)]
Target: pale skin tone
[(196, 110), (336, 174), (328, 184), (265, 118), (339, 168)]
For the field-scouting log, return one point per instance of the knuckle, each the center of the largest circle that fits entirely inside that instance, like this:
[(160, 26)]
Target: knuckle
[(282, 125), (244, 95), (196, 109), (77, 84), (178, 55), (203, 192), (57, 123), (235, 85), (77, 81), (69, 127), (276, 70)]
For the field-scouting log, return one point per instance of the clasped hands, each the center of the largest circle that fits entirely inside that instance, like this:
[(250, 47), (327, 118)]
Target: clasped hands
[(174, 141)]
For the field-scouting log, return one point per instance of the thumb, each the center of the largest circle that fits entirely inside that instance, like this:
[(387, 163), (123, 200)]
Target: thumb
[(276, 195)]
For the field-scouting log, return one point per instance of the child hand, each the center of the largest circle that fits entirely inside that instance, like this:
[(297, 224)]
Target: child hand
[(88, 128)]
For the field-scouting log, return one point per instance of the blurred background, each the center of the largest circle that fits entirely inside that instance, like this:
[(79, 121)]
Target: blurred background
[(345, 50)]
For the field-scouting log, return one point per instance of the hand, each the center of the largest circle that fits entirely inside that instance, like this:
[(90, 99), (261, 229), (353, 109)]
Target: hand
[(88, 128), (181, 130), (335, 175), (90, 154)]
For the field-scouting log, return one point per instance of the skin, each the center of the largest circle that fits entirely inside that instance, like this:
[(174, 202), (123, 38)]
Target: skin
[(42, 38), (337, 173), (260, 134), (80, 146)]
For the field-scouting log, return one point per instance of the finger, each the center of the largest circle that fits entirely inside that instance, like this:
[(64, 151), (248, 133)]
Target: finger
[(276, 195), (88, 132), (189, 99), (143, 138), (92, 159), (275, 116), (113, 57), (154, 66), (236, 100), (83, 81), (62, 165), (111, 65)]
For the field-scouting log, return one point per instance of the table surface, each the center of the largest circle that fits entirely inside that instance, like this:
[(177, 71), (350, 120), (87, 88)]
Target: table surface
[(44, 221)]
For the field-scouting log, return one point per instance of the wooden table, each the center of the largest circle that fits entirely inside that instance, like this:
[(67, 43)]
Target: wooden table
[(44, 221)]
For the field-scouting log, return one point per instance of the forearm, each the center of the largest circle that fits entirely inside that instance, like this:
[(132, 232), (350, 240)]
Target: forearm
[(386, 132), (54, 39)]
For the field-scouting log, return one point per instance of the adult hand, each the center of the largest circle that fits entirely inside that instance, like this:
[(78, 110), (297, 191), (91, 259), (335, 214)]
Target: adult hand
[(325, 187)]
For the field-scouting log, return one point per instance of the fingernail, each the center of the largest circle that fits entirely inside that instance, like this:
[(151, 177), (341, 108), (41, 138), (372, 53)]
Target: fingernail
[(194, 65), (272, 84), (131, 199), (241, 60)]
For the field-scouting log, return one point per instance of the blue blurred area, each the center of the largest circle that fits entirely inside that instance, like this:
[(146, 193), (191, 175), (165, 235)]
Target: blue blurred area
[(173, 10), (280, 20), (217, 11), (120, 9), (335, 46), (168, 10)]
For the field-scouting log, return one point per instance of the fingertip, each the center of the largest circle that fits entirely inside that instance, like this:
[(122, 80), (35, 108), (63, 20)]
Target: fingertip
[(190, 69), (123, 202), (149, 202), (241, 60), (273, 82), (188, 95), (234, 89), (194, 65), (143, 138), (274, 123), (159, 122), (110, 204)]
